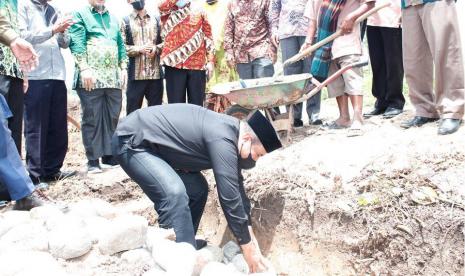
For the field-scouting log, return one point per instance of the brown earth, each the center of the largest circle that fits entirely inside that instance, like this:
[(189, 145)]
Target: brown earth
[(390, 202)]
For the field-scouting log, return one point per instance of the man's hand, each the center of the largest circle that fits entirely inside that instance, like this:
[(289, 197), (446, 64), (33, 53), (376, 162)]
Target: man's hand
[(63, 25), (348, 24), (24, 52), (124, 78), (210, 68), (305, 46), (88, 79), (275, 40), (253, 257)]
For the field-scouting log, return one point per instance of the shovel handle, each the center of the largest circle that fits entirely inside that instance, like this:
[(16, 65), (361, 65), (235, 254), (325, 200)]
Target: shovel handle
[(307, 52)]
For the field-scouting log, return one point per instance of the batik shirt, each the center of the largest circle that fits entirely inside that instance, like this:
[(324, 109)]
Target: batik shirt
[(247, 33), (142, 31), (408, 3), (8, 64), (97, 44), (187, 36), (287, 18)]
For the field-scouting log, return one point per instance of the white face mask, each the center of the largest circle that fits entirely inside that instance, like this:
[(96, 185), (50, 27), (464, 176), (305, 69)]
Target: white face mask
[(182, 3)]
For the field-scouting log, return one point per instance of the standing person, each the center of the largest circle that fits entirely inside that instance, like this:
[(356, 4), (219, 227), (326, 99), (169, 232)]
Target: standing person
[(326, 16), (217, 11), (247, 39), (141, 33), (101, 73), (289, 27), (12, 82), (432, 54), (164, 148), (188, 51), (384, 35), (12, 172), (45, 123)]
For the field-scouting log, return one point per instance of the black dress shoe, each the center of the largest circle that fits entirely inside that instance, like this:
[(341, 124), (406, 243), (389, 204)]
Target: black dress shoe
[(391, 112), (200, 243), (298, 123), (316, 122), (376, 111), (417, 121), (59, 176), (449, 126)]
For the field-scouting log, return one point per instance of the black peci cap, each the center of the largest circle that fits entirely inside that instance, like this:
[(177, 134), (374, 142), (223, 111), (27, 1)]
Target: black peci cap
[(264, 131)]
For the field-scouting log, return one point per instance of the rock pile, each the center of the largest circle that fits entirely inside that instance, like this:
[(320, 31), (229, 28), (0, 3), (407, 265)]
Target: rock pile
[(94, 238)]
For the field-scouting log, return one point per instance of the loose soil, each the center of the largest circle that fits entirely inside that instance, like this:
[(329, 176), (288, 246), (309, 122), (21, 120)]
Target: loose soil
[(390, 202)]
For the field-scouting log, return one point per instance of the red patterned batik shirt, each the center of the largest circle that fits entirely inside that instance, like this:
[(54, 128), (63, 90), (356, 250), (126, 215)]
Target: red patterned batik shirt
[(187, 36)]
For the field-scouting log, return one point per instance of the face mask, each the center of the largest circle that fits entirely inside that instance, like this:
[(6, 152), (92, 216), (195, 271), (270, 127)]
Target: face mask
[(138, 5), (248, 163), (211, 2), (99, 8), (182, 3)]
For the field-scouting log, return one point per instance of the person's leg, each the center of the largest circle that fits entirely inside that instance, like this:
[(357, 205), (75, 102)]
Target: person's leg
[(314, 103), (91, 121), (38, 105), (176, 84), (112, 109), (392, 40), (196, 84), (134, 95), (418, 64), (197, 191), (162, 185), (245, 70), (289, 47), (440, 24), (376, 49), (353, 87), (15, 101), (262, 68), (57, 136), (12, 172), (154, 92), (336, 89)]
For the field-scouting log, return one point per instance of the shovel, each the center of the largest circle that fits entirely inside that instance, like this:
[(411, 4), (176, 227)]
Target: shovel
[(308, 52)]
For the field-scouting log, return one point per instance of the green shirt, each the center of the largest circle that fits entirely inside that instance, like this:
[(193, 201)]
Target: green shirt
[(9, 29), (97, 44)]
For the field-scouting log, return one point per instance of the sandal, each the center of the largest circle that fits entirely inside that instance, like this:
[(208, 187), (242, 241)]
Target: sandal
[(354, 131), (334, 125)]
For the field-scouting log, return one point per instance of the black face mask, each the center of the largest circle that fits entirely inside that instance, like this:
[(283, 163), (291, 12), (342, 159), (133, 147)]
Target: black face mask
[(138, 5), (248, 163), (211, 2)]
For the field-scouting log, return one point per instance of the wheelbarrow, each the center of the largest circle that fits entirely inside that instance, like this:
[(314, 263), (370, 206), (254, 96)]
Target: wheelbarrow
[(240, 98)]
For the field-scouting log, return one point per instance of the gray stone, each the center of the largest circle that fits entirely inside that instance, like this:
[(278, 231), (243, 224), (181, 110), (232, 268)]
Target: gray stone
[(26, 236), (45, 212), (69, 243), (94, 207), (218, 269), (175, 258), (123, 233), (241, 265), (155, 234), (96, 226), (67, 221), (211, 253), (11, 219), (138, 259), (230, 250), (27, 263)]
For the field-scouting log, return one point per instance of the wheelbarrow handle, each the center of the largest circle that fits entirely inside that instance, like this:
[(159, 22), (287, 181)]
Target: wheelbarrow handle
[(307, 52), (337, 74)]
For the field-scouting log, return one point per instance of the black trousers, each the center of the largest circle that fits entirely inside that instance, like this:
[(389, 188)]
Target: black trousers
[(385, 47), (45, 126), (137, 89), (12, 89), (180, 81), (179, 197)]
